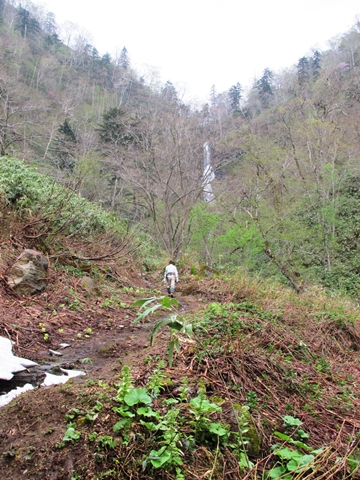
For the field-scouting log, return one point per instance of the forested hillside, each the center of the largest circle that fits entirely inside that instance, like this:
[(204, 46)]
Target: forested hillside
[(285, 155), (252, 370), (234, 378)]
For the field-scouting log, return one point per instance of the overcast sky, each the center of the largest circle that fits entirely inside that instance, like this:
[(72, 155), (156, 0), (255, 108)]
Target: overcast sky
[(199, 43)]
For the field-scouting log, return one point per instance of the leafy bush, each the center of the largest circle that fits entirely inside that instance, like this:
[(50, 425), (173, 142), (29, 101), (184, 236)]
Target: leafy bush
[(22, 187)]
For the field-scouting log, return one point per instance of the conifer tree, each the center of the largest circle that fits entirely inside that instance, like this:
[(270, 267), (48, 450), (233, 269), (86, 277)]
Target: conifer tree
[(67, 131), (213, 96), (235, 97), (303, 70), (115, 128), (264, 87), (169, 92), (316, 64), (124, 61), (26, 24), (64, 148)]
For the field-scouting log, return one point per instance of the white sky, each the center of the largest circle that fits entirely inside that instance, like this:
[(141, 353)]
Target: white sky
[(199, 43)]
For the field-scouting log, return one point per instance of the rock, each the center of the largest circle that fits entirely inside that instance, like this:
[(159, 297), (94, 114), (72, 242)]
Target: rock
[(90, 285), (28, 275), (33, 375), (206, 271)]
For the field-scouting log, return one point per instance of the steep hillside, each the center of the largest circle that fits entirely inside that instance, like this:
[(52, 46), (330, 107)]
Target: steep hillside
[(245, 379), (284, 158)]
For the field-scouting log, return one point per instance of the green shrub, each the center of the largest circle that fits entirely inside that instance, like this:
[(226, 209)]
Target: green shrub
[(22, 187)]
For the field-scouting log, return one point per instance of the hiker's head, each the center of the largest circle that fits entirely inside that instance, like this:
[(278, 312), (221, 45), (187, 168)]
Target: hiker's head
[(171, 262)]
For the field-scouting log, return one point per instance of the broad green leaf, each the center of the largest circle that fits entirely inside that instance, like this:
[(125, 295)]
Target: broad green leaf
[(276, 472), (305, 459), (204, 406), (142, 302), (218, 429), (287, 438), (146, 411), (189, 329), (292, 465), (318, 451), (178, 326), (147, 312), (124, 413), (158, 460), (71, 435), (156, 328), (288, 454), (137, 395), (299, 444), (291, 421), (244, 461), (282, 436), (170, 401), (174, 302), (166, 302), (150, 425)]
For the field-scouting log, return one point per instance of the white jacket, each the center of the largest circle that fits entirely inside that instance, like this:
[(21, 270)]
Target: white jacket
[(171, 269)]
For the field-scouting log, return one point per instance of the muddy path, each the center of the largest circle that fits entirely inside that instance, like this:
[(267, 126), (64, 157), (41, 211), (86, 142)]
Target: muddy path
[(101, 338), (125, 343), (98, 345)]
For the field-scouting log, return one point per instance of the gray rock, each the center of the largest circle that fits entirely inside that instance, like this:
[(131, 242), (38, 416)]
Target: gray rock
[(28, 275), (90, 285)]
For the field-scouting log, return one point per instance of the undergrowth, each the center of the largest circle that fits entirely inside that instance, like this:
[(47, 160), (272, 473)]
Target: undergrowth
[(251, 397), (40, 214)]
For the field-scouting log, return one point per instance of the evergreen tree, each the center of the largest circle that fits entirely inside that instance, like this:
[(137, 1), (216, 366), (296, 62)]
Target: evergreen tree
[(264, 87), (26, 24), (115, 127), (235, 97), (169, 92), (213, 96), (106, 59), (303, 70), (67, 131), (52, 39), (106, 72), (124, 61), (94, 54), (64, 153), (316, 64)]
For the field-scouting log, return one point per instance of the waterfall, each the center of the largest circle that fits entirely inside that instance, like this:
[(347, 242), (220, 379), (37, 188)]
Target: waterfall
[(208, 175)]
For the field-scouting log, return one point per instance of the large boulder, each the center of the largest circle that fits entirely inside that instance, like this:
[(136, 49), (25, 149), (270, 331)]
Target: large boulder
[(28, 275)]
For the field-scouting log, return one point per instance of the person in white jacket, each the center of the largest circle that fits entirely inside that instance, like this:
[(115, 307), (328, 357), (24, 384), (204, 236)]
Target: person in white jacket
[(170, 277)]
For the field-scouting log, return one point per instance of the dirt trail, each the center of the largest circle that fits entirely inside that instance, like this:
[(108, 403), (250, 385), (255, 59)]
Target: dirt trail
[(126, 343), (112, 342)]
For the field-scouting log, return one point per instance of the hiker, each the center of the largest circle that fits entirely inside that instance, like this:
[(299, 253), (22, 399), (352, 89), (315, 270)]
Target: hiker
[(170, 277)]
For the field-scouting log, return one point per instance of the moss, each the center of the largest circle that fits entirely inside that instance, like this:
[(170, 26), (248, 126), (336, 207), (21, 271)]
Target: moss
[(206, 271)]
